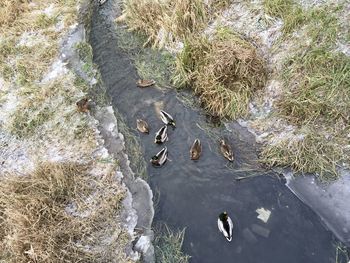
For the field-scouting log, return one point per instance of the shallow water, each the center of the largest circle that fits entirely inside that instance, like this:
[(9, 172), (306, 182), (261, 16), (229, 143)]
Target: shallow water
[(193, 193)]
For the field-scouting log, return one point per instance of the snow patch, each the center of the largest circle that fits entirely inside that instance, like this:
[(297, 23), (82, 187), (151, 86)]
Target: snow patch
[(263, 214), (49, 11), (57, 69)]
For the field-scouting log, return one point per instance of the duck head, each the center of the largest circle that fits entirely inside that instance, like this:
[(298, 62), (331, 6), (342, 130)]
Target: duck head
[(158, 139)]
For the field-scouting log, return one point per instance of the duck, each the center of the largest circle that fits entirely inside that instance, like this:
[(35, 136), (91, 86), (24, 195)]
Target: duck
[(196, 150), (225, 225), (144, 83), (83, 105), (226, 150), (142, 126), (160, 158), (161, 135), (167, 118), (101, 2)]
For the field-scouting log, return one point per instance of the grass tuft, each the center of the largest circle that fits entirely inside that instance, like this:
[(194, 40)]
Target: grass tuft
[(308, 152), (165, 21), (224, 71), (10, 10), (318, 85), (291, 13), (168, 245), (36, 225)]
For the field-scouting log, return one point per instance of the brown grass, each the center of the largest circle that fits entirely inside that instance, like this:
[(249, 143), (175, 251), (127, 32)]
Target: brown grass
[(35, 223), (224, 71), (165, 21), (10, 9), (309, 152)]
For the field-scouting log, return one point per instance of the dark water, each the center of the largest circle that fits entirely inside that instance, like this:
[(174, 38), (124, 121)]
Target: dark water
[(192, 194)]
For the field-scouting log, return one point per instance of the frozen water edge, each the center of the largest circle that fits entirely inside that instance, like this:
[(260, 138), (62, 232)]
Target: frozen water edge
[(330, 201)]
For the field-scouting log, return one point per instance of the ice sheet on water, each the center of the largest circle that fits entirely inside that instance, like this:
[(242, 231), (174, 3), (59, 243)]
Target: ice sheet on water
[(330, 201)]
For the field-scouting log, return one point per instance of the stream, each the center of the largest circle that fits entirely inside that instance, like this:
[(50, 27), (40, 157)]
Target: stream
[(191, 194)]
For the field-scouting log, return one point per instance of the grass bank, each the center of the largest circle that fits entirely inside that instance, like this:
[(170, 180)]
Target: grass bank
[(316, 81), (47, 215), (224, 71), (59, 197)]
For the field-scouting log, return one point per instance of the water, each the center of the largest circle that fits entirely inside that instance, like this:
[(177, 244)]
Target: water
[(192, 194)]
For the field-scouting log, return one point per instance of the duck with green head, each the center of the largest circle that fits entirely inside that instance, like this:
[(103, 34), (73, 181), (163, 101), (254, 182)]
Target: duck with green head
[(225, 225), (161, 135), (160, 158), (167, 118)]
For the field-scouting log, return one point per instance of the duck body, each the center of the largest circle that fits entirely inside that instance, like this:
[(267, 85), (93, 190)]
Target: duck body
[(196, 150), (101, 2), (226, 150), (167, 118), (83, 105), (225, 225), (161, 135), (160, 158), (144, 83), (142, 126)]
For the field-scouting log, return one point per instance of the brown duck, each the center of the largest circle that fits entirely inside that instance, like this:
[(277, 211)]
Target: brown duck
[(196, 150), (144, 83), (83, 105), (226, 150), (142, 126)]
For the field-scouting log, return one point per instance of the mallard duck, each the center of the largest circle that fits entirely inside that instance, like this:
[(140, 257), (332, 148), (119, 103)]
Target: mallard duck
[(225, 225), (142, 126), (101, 2), (144, 83), (83, 105), (161, 135), (160, 158), (226, 150), (167, 118), (196, 150)]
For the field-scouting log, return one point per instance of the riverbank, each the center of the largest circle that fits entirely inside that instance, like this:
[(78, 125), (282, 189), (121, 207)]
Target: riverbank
[(64, 193)]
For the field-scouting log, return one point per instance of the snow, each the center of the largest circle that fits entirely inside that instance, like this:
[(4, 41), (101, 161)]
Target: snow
[(263, 214), (49, 11), (57, 69)]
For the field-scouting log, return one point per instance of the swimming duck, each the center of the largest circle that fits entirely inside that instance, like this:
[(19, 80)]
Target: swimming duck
[(161, 135), (83, 105), (160, 158), (225, 225), (101, 2), (144, 83), (226, 150), (196, 150), (167, 118), (142, 126)]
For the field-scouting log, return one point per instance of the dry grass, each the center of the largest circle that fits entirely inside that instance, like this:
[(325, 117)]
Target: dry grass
[(318, 85), (166, 21), (168, 246), (289, 11), (307, 153), (10, 10), (224, 71), (37, 227), (25, 64)]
